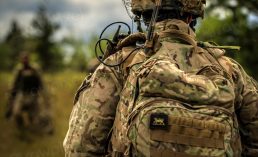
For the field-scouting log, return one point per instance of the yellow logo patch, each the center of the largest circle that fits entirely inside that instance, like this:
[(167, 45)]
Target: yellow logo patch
[(158, 121)]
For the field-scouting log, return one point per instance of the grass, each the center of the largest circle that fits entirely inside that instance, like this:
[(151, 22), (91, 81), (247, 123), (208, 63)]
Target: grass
[(61, 88)]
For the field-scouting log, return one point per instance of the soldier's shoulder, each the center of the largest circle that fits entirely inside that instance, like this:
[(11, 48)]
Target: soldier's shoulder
[(35, 67), (217, 50), (129, 50), (18, 68), (219, 53), (131, 40)]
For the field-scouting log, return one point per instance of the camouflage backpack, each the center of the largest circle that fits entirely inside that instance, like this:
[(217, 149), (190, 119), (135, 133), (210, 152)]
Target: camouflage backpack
[(161, 115)]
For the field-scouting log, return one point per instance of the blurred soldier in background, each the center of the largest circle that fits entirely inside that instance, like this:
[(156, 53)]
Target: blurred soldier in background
[(28, 104), (170, 97)]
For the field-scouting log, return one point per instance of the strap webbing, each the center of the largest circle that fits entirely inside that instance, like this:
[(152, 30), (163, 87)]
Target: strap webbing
[(154, 152)]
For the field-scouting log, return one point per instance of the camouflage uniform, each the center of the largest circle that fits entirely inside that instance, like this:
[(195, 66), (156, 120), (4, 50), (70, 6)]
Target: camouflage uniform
[(179, 70)]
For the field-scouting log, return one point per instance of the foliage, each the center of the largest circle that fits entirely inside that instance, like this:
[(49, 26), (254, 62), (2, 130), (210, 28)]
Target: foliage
[(77, 61), (49, 55), (234, 28), (12, 46), (83, 54), (251, 6), (5, 58)]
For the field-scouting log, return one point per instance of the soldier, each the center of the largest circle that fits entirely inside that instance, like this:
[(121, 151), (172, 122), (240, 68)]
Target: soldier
[(172, 97), (26, 96)]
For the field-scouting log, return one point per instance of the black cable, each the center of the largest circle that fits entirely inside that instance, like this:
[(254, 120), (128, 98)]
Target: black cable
[(104, 30), (97, 45), (119, 22)]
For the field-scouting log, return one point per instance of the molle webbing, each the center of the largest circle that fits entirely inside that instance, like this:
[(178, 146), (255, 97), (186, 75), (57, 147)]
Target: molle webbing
[(170, 153), (192, 132)]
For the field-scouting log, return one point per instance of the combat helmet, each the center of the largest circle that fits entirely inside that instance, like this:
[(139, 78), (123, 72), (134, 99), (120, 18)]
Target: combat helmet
[(194, 7)]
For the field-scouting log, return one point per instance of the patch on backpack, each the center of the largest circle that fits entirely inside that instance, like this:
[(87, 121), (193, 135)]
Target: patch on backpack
[(159, 121)]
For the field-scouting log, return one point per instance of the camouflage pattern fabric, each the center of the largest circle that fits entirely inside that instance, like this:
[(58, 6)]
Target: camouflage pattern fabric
[(182, 100), (195, 7)]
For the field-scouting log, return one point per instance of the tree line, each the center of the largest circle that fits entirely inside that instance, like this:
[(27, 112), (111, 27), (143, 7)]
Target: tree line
[(42, 48), (233, 22)]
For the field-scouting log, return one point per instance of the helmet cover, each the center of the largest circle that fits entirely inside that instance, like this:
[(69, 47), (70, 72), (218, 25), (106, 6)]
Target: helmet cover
[(194, 7)]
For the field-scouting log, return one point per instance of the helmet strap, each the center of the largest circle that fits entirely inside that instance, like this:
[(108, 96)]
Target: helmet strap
[(137, 19)]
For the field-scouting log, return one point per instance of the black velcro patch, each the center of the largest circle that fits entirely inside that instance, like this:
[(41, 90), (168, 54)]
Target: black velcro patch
[(159, 121)]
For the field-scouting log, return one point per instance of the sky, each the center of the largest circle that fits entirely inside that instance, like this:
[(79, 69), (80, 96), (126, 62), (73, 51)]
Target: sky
[(79, 18)]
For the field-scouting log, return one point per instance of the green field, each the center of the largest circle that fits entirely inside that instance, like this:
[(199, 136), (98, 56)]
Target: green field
[(61, 87)]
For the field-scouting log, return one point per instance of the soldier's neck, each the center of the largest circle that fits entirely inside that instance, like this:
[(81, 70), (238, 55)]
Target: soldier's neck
[(26, 66), (174, 24)]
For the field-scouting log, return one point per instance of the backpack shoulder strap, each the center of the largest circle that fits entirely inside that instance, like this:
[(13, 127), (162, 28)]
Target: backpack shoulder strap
[(219, 55)]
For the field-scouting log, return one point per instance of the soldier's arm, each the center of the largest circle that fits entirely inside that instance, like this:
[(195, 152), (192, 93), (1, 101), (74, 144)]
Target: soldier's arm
[(14, 90), (93, 115), (247, 112), (16, 84)]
